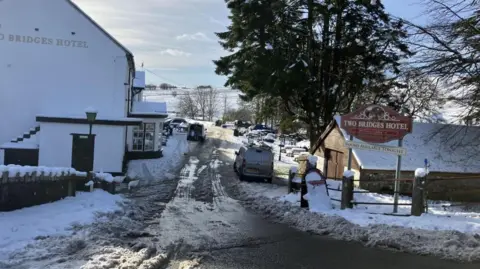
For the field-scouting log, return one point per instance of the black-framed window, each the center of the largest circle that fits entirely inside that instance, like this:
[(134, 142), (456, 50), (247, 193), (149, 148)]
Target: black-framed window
[(144, 137)]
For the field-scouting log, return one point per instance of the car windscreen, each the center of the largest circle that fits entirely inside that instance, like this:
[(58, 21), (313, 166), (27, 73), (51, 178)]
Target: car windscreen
[(258, 156), (196, 127)]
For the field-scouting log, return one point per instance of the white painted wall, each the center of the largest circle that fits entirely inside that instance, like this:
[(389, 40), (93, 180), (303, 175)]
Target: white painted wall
[(158, 132), (56, 145), (40, 76)]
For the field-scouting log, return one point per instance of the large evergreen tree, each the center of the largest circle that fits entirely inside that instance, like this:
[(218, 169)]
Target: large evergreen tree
[(316, 56)]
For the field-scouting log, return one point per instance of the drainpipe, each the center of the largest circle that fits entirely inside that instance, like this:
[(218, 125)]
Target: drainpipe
[(129, 91)]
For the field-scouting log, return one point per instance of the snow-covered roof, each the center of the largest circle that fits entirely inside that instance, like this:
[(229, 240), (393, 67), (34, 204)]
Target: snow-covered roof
[(139, 80), (83, 117), (18, 145), (448, 148), (141, 107)]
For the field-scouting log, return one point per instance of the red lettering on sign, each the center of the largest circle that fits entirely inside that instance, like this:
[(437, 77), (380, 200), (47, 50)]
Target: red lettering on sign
[(376, 124)]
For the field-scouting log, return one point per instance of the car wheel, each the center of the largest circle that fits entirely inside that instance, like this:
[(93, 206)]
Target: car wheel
[(235, 167), (241, 177), (269, 180)]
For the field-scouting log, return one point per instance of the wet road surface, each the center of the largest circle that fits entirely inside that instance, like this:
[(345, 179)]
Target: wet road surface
[(194, 220), (246, 240)]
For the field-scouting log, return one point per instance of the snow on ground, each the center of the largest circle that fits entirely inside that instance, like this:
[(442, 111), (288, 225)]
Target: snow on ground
[(436, 219), (450, 234), (172, 100), (24, 226), (113, 237), (155, 169), (427, 235)]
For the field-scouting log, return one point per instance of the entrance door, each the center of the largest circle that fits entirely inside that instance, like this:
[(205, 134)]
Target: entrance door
[(334, 164), (82, 152)]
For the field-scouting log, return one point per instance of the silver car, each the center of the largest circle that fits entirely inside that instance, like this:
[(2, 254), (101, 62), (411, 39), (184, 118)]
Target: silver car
[(254, 162)]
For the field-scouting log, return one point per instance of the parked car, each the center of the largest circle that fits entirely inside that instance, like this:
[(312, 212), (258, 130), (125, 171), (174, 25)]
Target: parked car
[(254, 162), (294, 151), (174, 123), (196, 132), (167, 130), (287, 147), (244, 124), (270, 138)]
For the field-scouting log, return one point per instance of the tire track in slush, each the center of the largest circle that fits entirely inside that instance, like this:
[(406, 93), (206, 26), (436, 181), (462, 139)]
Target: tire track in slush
[(187, 179)]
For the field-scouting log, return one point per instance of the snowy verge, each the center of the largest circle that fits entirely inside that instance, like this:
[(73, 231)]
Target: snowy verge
[(157, 169), (109, 178), (373, 230), (24, 226)]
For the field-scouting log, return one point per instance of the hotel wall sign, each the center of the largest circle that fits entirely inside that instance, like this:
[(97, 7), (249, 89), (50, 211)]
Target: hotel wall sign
[(41, 40)]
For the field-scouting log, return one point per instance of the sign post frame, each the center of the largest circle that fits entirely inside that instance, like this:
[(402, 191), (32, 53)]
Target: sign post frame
[(350, 153), (396, 189), (378, 124)]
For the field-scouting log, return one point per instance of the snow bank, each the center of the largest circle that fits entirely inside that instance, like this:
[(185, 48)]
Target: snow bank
[(14, 170), (104, 177), (23, 226), (18, 170), (157, 169), (312, 159), (421, 172), (444, 235), (349, 173), (91, 110)]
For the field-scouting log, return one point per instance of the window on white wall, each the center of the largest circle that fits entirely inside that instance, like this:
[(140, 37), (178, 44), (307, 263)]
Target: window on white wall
[(143, 137), (149, 136), (138, 138)]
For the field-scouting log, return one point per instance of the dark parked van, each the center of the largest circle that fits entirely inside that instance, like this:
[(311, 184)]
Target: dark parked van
[(254, 162)]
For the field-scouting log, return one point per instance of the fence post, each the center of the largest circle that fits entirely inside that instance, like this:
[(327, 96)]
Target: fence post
[(418, 192), (303, 191), (347, 190), (291, 174), (71, 186), (303, 186)]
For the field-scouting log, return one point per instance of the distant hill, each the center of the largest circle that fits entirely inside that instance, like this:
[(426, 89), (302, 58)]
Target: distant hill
[(171, 97)]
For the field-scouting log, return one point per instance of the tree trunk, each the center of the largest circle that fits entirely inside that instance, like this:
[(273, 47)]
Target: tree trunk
[(312, 134)]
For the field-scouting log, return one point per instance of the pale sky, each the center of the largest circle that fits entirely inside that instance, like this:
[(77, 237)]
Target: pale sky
[(175, 38)]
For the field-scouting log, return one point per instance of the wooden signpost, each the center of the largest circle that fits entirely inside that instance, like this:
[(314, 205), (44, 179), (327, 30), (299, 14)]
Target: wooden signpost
[(375, 124)]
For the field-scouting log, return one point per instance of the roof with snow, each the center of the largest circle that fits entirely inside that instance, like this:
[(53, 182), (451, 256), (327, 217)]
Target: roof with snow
[(447, 147), (139, 80)]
